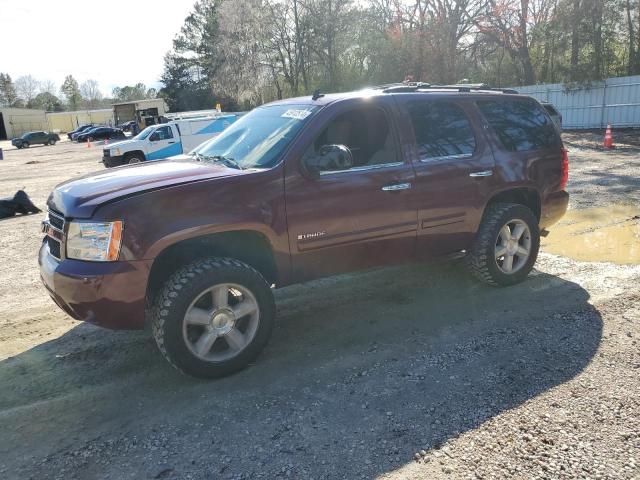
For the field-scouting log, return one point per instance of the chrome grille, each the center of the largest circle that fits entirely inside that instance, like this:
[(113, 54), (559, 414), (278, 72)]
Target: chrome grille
[(54, 238), (56, 219), (106, 152)]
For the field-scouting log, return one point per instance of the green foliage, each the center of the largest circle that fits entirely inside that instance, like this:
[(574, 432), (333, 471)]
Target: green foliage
[(71, 91), (8, 95), (256, 50), (47, 101), (136, 92)]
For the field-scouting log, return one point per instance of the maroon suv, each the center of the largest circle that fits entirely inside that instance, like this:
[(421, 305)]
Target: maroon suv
[(299, 189)]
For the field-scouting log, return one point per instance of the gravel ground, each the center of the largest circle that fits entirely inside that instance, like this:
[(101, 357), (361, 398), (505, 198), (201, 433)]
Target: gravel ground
[(411, 372)]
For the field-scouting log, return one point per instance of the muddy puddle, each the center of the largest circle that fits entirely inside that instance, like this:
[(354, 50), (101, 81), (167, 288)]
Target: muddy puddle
[(610, 234)]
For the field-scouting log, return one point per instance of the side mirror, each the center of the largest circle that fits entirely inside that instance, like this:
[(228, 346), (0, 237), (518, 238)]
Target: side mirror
[(329, 158), (155, 136)]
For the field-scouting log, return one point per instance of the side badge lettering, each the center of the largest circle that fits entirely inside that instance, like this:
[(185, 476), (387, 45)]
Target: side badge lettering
[(309, 236)]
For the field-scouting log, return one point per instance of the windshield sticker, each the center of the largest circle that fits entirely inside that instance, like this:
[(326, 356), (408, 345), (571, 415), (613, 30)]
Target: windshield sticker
[(297, 114)]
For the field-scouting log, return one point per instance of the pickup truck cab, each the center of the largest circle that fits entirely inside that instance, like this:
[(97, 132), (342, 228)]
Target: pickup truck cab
[(165, 140), (299, 189)]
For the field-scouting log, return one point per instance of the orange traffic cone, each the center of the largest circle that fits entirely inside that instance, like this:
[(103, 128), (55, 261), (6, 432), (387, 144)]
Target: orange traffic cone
[(608, 138)]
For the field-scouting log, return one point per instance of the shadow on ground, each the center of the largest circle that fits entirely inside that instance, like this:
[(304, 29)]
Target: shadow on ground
[(362, 371)]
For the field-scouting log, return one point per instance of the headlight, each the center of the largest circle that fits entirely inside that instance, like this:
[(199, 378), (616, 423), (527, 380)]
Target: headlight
[(115, 152), (96, 242)]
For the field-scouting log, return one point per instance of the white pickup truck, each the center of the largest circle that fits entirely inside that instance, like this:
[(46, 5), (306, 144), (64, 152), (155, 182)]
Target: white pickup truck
[(165, 140)]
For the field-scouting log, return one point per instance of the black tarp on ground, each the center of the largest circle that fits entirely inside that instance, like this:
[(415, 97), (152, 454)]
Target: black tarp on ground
[(20, 203)]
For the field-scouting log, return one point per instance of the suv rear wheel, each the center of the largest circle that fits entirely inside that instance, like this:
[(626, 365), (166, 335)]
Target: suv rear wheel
[(213, 317), (506, 246)]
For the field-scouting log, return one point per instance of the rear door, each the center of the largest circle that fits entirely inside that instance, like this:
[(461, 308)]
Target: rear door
[(39, 137), (358, 216), (454, 168)]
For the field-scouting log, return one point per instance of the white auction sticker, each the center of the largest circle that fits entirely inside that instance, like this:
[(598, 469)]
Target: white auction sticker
[(297, 114)]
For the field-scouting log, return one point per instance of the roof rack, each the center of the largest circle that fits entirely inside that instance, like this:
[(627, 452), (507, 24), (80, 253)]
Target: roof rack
[(461, 87)]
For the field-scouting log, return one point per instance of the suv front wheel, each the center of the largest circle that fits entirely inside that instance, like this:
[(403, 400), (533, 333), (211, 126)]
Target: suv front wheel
[(213, 317), (506, 245)]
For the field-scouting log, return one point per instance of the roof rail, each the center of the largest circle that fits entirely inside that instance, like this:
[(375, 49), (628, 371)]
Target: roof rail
[(461, 87), (403, 87), (467, 87)]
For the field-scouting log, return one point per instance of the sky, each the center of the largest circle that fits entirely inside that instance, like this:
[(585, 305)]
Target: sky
[(117, 43)]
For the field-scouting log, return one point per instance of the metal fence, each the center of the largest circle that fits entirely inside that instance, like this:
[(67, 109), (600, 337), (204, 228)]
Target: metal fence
[(614, 100)]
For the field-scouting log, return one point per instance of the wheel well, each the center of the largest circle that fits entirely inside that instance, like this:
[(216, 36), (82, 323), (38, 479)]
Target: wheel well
[(135, 152), (250, 247), (523, 196)]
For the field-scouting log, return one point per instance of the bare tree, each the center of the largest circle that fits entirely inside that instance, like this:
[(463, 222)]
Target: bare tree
[(506, 22), (27, 88), (48, 86), (90, 91)]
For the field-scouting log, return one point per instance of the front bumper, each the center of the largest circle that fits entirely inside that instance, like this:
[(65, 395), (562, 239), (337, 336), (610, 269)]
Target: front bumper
[(553, 208), (108, 294), (114, 161)]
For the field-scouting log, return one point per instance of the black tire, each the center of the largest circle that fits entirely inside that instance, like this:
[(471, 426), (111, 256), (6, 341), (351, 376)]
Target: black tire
[(19, 147), (178, 294), (481, 258), (133, 158), (25, 144), (52, 142)]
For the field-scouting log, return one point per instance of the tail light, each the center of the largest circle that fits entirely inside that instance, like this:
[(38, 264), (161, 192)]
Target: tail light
[(565, 169)]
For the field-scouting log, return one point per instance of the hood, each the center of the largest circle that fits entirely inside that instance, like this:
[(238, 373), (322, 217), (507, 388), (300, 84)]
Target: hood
[(121, 144), (181, 156), (80, 197)]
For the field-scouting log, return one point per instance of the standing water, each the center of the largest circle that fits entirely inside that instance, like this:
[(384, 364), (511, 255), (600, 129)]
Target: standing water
[(608, 234)]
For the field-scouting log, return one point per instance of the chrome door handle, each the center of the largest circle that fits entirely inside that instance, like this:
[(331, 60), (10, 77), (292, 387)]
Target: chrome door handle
[(484, 173), (396, 186)]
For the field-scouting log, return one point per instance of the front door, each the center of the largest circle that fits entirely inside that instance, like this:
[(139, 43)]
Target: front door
[(163, 143), (357, 215), (454, 170)]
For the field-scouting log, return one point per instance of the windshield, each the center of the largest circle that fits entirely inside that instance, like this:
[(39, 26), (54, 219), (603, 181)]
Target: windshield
[(144, 133), (258, 139)]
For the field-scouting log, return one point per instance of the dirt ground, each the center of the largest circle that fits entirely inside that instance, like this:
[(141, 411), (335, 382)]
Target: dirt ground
[(411, 372)]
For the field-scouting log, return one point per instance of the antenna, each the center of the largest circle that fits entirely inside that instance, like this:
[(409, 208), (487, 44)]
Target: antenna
[(316, 95)]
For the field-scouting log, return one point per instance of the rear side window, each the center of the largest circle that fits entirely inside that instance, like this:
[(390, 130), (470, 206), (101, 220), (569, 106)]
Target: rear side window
[(521, 125), (164, 133), (442, 130)]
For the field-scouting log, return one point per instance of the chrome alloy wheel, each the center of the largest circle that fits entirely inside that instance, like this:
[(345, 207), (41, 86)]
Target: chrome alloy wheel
[(221, 322), (513, 246)]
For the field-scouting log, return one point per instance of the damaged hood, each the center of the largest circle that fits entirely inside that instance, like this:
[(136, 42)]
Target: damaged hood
[(79, 197)]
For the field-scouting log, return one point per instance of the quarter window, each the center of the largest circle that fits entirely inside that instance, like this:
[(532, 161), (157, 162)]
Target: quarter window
[(521, 125), (164, 133), (442, 130)]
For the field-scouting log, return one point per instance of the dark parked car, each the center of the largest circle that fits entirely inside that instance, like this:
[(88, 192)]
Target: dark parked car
[(101, 133), (35, 138), (300, 189), (126, 126), (79, 130)]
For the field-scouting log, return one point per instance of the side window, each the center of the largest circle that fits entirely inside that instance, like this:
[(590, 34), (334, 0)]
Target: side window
[(442, 130), (365, 132), (164, 133), (521, 125)]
